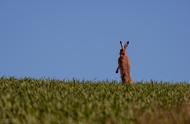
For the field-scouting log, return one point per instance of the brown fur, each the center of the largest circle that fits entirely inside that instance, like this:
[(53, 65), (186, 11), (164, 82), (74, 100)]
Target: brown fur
[(124, 65)]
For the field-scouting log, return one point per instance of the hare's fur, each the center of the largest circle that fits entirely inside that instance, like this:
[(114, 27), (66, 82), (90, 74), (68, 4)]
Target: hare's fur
[(124, 65)]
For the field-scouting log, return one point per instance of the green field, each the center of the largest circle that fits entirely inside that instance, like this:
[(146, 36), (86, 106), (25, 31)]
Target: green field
[(84, 102)]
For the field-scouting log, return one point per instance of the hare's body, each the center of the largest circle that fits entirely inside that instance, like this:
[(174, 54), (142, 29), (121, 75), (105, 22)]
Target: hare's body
[(124, 65)]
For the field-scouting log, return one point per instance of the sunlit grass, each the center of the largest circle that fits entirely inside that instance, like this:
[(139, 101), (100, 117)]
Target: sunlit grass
[(87, 102)]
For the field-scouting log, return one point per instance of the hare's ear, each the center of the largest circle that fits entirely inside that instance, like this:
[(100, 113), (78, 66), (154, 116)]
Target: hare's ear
[(126, 44), (121, 44)]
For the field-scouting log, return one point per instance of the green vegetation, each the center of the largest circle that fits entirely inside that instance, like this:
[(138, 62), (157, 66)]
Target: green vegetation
[(84, 102)]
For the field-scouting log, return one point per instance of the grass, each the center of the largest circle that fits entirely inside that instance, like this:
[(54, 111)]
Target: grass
[(84, 102)]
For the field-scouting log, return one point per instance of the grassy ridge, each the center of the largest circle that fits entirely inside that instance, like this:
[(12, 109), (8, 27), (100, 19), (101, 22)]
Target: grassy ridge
[(50, 101)]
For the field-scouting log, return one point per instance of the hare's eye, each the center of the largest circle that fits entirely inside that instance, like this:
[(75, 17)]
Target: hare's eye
[(120, 51)]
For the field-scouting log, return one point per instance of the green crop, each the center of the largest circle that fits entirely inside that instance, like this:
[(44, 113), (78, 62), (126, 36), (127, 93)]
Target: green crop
[(86, 102)]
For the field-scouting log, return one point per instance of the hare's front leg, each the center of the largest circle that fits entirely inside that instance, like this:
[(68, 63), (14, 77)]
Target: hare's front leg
[(117, 70)]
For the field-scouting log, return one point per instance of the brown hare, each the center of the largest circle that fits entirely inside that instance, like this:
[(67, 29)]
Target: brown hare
[(124, 65)]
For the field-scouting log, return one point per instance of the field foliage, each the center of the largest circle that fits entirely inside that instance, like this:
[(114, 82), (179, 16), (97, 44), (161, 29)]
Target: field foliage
[(86, 102)]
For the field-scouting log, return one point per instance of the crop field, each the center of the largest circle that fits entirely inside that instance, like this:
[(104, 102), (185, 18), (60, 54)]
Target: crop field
[(32, 101)]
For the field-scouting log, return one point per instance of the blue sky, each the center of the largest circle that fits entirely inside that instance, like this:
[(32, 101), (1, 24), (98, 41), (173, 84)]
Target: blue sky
[(65, 39)]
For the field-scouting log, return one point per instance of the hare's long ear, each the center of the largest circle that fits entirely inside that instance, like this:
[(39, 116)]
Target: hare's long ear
[(121, 44), (126, 44)]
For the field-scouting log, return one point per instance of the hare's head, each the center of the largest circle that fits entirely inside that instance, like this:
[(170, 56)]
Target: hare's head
[(123, 48)]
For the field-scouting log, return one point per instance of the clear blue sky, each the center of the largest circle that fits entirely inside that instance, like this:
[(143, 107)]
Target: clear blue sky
[(63, 39)]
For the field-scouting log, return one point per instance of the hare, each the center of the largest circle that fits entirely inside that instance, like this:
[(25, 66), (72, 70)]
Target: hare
[(124, 65)]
